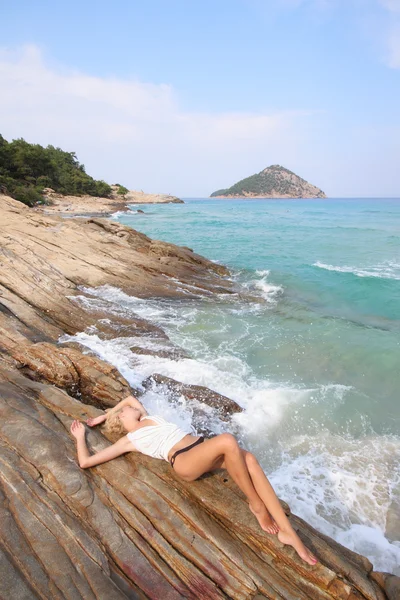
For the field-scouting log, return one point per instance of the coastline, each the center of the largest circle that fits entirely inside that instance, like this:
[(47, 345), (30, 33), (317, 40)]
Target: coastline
[(275, 197), (46, 262), (96, 206)]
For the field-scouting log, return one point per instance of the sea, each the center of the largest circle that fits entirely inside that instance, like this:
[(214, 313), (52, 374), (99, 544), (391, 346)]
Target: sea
[(311, 351)]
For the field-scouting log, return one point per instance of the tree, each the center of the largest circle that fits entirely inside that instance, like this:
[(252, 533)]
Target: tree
[(26, 169)]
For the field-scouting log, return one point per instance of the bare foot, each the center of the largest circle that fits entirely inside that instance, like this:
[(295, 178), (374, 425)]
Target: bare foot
[(290, 538), (265, 520)]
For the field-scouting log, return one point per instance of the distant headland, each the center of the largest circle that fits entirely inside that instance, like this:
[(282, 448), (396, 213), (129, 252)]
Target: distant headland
[(273, 182), (55, 180)]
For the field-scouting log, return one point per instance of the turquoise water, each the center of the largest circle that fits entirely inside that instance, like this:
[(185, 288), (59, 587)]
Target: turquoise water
[(314, 361), (336, 318)]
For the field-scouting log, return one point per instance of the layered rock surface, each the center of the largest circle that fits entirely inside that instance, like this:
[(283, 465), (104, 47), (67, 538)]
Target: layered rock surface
[(129, 528)]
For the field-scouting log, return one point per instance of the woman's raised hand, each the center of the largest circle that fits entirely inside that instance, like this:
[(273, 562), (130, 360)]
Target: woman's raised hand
[(92, 421), (78, 429)]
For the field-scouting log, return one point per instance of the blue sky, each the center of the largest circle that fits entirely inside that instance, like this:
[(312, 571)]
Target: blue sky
[(186, 97)]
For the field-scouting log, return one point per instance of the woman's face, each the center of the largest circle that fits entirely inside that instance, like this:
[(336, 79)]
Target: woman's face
[(129, 417)]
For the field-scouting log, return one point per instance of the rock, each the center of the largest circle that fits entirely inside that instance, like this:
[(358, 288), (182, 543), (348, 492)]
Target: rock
[(393, 518), (91, 205), (170, 353), (223, 405), (140, 211), (390, 583), (43, 260), (85, 377), (131, 528), (133, 197), (392, 587)]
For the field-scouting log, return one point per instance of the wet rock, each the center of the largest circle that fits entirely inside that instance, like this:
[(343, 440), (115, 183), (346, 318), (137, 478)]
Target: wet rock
[(393, 519), (170, 353), (223, 405)]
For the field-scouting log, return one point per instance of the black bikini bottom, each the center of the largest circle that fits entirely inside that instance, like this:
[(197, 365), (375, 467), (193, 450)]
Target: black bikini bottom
[(175, 454)]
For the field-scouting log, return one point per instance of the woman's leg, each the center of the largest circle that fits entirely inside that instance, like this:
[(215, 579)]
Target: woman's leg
[(224, 451), (264, 489)]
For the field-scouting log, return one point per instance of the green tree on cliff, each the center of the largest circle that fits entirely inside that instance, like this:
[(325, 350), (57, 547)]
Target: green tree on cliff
[(26, 169)]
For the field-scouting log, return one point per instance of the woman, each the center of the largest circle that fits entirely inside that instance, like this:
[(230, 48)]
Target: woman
[(190, 457)]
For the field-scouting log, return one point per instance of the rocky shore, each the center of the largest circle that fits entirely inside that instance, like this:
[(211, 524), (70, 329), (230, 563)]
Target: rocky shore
[(129, 528), (92, 205)]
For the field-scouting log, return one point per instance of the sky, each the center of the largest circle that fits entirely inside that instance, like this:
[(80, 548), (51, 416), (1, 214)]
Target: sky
[(189, 96)]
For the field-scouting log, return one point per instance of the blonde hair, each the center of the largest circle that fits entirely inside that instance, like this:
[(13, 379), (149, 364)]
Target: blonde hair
[(113, 423)]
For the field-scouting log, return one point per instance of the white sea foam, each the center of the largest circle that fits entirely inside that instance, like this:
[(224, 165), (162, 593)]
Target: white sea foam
[(388, 270), (344, 488), (267, 290), (116, 302), (122, 213)]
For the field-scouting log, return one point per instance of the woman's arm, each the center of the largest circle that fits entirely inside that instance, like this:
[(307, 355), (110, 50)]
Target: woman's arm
[(129, 401), (86, 459)]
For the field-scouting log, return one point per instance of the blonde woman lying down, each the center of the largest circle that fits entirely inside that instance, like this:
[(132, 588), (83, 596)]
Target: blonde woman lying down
[(191, 456)]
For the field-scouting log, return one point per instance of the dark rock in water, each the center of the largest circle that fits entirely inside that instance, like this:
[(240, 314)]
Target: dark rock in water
[(140, 211), (223, 405), (170, 353)]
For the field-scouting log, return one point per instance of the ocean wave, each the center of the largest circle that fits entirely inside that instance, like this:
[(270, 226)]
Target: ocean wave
[(346, 488), (389, 270), (268, 291), (123, 213)]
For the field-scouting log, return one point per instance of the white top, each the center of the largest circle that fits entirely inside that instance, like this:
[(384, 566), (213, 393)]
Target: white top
[(156, 440)]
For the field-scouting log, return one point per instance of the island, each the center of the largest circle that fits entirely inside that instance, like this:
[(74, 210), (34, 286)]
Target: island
[(273, 182)]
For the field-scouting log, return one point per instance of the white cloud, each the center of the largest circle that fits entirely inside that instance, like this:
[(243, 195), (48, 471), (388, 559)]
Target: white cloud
[(135, 132), (392, 5)]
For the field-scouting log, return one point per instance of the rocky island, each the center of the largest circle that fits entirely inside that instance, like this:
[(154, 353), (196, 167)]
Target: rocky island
[(273, 182), (129, 529)]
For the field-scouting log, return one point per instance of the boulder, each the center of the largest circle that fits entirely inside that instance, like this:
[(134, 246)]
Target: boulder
[(224, 406), (172, 353), (86, 377)]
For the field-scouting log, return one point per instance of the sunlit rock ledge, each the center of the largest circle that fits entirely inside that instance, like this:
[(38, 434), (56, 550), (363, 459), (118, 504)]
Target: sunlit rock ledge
[(85, 205)]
